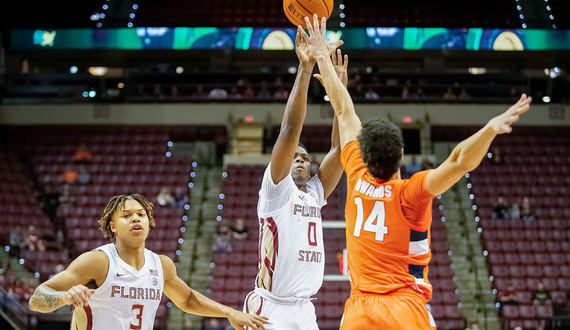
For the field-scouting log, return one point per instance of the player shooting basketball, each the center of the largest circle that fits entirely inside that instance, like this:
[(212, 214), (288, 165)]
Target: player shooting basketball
[(388, 219), (291, 256)]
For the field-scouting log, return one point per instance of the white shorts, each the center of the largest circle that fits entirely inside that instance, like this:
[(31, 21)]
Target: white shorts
[(297, 316)]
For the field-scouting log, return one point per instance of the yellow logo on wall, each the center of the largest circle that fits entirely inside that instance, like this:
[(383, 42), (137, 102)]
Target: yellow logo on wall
[(44, 38)]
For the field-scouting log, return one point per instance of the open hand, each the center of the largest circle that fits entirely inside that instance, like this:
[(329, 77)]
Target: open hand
[(502, 123), (317, 43), (240, 320), (302, 50), (339, 67), (78, 296)]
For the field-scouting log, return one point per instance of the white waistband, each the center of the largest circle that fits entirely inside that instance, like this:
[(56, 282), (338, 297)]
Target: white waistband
[(265, 294)]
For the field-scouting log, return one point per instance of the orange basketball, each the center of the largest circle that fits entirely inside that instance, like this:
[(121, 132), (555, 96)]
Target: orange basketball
[(296, 10)]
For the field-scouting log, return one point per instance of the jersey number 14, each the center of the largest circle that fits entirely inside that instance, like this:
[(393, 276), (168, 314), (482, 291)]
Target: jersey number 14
[(377, 214)]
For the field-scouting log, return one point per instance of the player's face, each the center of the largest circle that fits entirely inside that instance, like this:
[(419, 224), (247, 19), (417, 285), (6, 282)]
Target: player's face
[(131, 221), (301, 167)]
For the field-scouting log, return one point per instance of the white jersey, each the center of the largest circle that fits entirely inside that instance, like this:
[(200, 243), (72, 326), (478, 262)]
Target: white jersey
[(128, 299), (291, 256)]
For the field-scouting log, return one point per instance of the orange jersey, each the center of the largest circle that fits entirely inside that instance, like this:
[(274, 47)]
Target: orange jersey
[(387, 229)]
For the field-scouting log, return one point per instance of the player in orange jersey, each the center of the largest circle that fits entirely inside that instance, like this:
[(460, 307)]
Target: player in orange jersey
[(388, 219)]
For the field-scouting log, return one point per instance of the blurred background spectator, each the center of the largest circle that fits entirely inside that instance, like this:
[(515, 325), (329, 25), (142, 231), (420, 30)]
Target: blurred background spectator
[(449, 95), (239, 230), (527, 213), (500, 210), (83, 177), (33, 240), (218, 93), (541, 296), (83, 155), (180, 197), (70, 174), (222, 240), (164, 198)]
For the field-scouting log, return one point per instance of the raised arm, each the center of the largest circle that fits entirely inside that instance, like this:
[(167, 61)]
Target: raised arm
[(348, 122), (191, 301), (295, 111), (69, 286), (468, 154), (294, 115), (331, 169)]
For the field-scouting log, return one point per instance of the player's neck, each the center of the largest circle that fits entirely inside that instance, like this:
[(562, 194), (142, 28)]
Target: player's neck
[(133, 256), (303, 188)]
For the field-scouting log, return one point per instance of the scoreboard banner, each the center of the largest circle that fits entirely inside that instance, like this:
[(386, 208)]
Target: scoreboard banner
[(245, 38)]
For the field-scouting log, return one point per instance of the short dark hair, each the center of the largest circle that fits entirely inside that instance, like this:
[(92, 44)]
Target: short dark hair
[(303, 146), (381, 144), (113, 206)]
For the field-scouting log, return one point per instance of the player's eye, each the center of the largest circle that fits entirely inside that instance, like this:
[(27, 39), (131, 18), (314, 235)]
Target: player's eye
[(141, 214)]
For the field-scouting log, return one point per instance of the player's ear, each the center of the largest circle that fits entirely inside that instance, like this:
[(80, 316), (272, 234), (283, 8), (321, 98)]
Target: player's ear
[(112, 226)]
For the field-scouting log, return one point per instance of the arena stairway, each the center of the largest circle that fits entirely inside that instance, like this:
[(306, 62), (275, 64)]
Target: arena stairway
[(469, 265), (194, 262)]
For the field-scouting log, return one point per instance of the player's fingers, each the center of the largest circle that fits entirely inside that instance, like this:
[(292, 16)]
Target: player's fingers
[(309, 26), (318, 76), (316, 24), (345, 65), (304, 35), (324, 25), (338, 57), (336, 45)]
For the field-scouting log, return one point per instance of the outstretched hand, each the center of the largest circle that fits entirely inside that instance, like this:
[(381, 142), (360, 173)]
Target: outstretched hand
[(240, 320), (502, 123), (339, 68), (316, 43)]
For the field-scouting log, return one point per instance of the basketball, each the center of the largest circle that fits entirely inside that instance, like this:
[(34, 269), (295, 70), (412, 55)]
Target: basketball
[(297, 10)]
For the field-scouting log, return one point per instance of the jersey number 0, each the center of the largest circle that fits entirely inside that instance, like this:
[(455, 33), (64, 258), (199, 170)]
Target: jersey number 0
[(378, 213)]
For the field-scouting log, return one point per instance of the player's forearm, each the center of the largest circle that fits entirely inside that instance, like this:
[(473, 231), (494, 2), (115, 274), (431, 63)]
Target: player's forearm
[(335, 89), (348, 122), (46, 299), (296, 107), (198, 304), (470, 152)]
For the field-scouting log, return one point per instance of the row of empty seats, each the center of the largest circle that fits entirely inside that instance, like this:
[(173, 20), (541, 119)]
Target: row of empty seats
[(534, 164)]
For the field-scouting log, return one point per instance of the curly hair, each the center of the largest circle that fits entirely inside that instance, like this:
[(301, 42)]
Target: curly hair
[(115, 204), (381, 144)]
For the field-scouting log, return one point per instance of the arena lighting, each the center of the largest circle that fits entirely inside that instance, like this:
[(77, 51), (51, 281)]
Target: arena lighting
[(120, 85), (292, 70), (249, 119), (95, 16), (73, 69), (130, 24), (476, 71), (546, 99), (407, 120), (326, 98), (92, 94), (98, 71), (179, 69)]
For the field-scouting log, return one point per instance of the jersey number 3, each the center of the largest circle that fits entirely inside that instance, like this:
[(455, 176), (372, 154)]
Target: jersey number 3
[(139, 315), (377, 214)]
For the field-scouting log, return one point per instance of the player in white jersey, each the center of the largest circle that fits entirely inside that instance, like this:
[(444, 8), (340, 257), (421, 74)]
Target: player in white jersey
[(291, 253), (119, 286)]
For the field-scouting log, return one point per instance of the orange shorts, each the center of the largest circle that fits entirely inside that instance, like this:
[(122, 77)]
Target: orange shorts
[(399, 310)]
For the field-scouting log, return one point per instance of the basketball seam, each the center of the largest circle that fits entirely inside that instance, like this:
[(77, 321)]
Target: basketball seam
[(300, 4), (327, 7)]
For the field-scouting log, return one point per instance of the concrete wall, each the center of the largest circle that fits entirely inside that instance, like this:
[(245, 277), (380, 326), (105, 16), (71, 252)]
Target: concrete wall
[(222, 113)]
